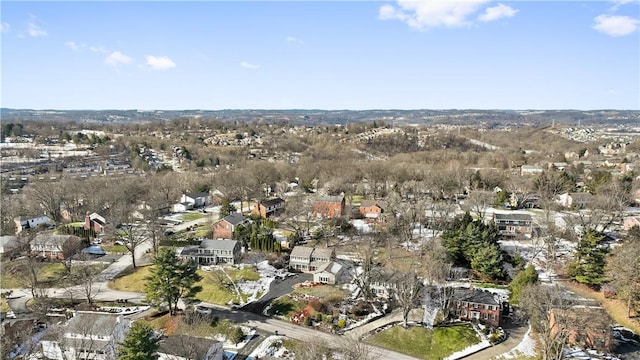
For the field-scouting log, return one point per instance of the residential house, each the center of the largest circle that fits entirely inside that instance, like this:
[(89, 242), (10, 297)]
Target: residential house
[(373, 210), (332, 273), (267, 208), (385, 282), (512, 223), (584, 326), (185, 347), (481, 305), (329, 206), (224, 228), (94, 222), (196, 200), (526, 170), (310, 259), (9, 246), (212, 252), (87, 335), (30, 222), (576, 200), (54, 246)]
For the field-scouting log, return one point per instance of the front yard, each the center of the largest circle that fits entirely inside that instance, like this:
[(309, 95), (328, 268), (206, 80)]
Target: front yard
[(423, 343), (50, 274), (217, 285)]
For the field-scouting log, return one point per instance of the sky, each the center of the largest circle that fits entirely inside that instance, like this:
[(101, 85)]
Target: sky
[(358, 55)]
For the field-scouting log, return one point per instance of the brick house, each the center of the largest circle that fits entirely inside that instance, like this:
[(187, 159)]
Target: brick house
[(267, 208), (223, 228), (329, 206), (94, 222), (373, 210), (310, 259), (584, 326), (212, 252), (53, 246), (480, 305), (512, 224)]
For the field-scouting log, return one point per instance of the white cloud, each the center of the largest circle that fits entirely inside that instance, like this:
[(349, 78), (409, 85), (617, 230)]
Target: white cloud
[(160, 62), (497, 12), (35, 31), (5, 27), (72, 45), (429, 14), (248, 65), (117, 58), (293, 39), (99, 49), (615, 25)]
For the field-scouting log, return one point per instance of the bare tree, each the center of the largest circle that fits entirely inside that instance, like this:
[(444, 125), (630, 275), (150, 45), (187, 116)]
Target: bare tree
[(352, 348), (70, 247), (89, 282), (623, 269), (407, 288), (47, 197), (368, 272)]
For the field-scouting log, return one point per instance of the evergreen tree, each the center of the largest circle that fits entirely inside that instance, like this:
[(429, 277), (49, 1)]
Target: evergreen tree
[(227, 208), (172, 279), (588, 266), (139, 344), (529, 276)]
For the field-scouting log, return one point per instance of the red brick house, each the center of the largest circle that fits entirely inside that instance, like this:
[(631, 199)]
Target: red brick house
[(329, 206), (373, 210), (223, 228), (588, 327), (54, 246), (94, 222), (267, 208), (479, 305)]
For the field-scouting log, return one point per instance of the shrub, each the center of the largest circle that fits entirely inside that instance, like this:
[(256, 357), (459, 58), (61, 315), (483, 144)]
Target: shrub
[(342, 323)]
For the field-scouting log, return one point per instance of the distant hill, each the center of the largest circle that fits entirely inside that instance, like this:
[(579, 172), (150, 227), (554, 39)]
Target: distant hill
[(488, 118)]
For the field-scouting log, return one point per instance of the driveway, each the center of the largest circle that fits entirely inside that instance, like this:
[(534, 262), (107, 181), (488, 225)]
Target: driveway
[(278, 287)]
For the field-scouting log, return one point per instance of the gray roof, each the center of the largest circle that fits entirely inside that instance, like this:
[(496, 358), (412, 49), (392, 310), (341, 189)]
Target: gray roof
[(8, 241), (99, 324), (323, 253), (185, 346), (512, 216), (476, 296), (301, 251), (51, 239), (272, 202), (336, 199), (218, 244), (367, 203), (234, 219)]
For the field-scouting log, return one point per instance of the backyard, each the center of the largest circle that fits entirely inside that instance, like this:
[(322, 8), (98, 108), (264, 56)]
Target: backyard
[(49, 274), (423, 343)]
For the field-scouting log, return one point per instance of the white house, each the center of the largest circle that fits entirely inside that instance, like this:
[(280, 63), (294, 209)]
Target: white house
[(332, 273), (87, 335), (30, 222)]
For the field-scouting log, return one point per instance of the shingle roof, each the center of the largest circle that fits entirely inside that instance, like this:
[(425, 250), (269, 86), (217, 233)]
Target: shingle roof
[(51, 239), (218, 244), (271, 202), (188, 347), (322, 253), (512, 216), (92, 323), (378, 203), (301, 251), (476, 296), (335, 199), (235, 219), (8, 241)]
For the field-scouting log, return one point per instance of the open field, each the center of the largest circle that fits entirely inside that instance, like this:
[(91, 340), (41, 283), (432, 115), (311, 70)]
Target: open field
[(424, 343)]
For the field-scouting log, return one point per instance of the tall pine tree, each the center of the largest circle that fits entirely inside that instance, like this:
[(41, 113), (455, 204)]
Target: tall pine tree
[(140, 343)]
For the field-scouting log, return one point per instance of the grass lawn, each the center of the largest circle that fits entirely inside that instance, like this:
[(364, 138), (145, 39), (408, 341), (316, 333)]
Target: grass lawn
[(211, 292), (49, 274), (424, 343), (191, 216), (114, 249), (76, 224), (4, 305), (132, 280)]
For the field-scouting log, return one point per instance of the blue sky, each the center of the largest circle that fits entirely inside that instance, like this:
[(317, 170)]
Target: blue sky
[(321, 55)]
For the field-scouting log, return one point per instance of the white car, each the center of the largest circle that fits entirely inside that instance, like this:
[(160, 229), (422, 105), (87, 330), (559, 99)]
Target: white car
[(203, 310)]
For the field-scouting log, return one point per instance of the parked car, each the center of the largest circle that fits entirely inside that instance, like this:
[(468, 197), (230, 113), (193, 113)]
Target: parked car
[(203, 310)]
